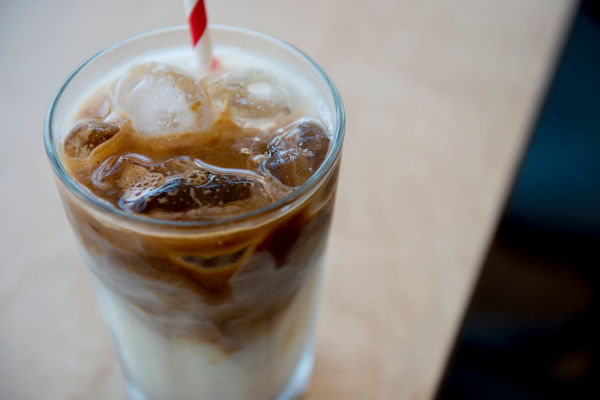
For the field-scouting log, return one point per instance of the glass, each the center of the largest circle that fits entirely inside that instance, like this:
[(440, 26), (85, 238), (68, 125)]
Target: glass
[(217, 309)]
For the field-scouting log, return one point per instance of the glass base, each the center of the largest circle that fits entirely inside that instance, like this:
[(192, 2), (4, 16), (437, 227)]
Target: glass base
[(300, 381), (296, 386)]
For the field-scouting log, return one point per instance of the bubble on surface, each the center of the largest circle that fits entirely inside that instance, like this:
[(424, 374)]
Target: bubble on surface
[(297, 151), (86, 136), (137, 183), (195, 177), (159, 99)]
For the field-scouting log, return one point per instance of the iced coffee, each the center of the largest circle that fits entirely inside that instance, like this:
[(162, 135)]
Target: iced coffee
[(201, 200)]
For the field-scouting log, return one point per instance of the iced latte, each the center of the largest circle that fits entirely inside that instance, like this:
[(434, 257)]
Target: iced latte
[(201, 201)]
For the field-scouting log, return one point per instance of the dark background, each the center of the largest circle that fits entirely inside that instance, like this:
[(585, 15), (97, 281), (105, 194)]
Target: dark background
[(530, 331)]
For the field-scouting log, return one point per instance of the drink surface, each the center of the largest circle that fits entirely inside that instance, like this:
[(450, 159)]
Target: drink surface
[(160, 139)]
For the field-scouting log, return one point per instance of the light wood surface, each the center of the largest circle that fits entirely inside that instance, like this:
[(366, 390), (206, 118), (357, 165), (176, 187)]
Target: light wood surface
[(439, 97)]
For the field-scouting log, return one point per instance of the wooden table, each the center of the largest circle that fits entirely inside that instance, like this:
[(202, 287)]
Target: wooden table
[(439, 96)]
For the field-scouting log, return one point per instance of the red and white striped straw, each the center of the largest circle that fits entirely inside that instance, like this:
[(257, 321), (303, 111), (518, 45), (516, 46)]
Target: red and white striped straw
[(200, 38)]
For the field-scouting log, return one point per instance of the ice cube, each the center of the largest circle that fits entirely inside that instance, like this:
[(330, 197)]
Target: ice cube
[(256, 99), (180, 195), (159, 99), (193, 190), (297, 151), (86, 136)]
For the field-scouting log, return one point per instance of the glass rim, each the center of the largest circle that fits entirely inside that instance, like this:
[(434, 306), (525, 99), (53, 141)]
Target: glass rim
[(88, 197)]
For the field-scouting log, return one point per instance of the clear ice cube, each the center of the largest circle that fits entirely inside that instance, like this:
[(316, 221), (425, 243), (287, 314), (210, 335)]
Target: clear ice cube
[(86, 136), (185, 193), (159, 99), (138, 183), (297, 151), (257, 100)]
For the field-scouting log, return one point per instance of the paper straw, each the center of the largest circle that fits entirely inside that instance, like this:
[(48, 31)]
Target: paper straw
[(200, 38)]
